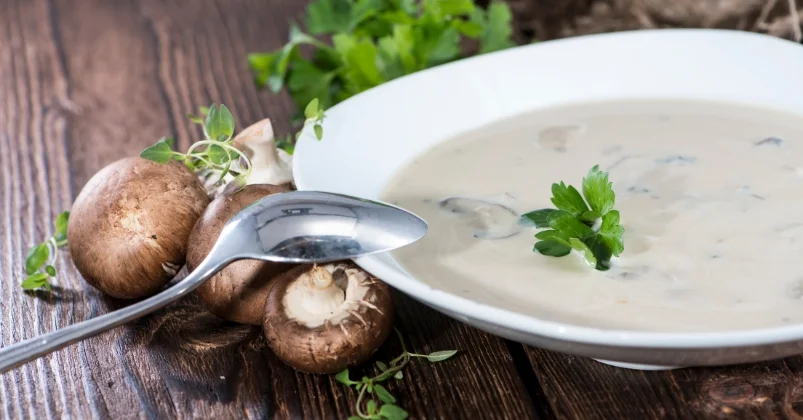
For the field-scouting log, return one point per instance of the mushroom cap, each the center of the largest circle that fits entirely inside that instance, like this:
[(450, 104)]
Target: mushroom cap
[(328, 342), (238, 291), (128, 228)]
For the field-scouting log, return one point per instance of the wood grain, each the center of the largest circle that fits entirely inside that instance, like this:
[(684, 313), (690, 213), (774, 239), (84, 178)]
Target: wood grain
[(83, 83), (580, 388)]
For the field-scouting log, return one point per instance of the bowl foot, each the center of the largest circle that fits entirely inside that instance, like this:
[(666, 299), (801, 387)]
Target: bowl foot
[(636, 366)]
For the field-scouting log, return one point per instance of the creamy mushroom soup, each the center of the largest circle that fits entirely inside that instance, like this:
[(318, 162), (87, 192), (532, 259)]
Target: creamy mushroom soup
[(710, 195)]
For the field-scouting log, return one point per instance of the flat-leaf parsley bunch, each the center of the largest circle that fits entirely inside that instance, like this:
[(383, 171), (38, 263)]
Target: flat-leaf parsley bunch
[(590, 226), (365, 43)]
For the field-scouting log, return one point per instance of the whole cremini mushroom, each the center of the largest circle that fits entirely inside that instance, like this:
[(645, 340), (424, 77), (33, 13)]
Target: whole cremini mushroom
[(128, 227), (270, 165), (238, 291), (325, 318)]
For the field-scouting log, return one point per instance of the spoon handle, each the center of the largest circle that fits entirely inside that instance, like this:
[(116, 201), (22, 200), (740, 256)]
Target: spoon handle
[(33, 348)]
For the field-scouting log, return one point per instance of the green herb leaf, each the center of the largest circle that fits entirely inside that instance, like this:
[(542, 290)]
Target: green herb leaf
[(384, 395), (217, 154), (37, 256), (331, 16), (312, 108), (61, 227), (195, 119), (566, 222), (371, 407), (318, 131), (35, 281), (219, 123), (393, 412), (441, 48), (601, 251), (552, 248), (598, 191), (381, 365), (611, 232), (539, 217), (160, 152), (50, 270), (360, 57), (554, 235), (590, 216), (261, 64), (498, 28), (469, 28), (343, 378), (567, 198), (397, 52), (587, 252), (398, 375), (440, 356), (441, 9)]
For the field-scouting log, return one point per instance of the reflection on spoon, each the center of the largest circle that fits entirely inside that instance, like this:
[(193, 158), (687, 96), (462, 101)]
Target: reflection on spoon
[(488, 219)]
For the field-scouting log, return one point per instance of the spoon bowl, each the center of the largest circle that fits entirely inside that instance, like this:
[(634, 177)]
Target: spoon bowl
[(314, 227), (291, 227)]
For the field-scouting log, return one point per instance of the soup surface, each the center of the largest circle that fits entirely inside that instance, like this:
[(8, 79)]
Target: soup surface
[(710, 196)]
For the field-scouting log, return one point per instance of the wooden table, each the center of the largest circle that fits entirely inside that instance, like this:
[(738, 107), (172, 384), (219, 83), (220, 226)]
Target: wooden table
[(85, 82)]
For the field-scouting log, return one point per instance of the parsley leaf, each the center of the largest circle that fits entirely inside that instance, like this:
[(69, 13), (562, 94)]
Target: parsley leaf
[(332, 16), (598, 191), (498, 29), (611, 232), (539, 217), (552, 248), (589, 226), (567, 198), (588, 253), (568, 223), (360, 57)]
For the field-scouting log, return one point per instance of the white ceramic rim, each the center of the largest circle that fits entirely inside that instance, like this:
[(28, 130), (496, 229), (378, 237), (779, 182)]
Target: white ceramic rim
[(763, 47)]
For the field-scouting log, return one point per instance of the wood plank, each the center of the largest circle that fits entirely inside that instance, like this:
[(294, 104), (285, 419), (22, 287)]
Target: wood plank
[(581, 388), (85, 83), (34, 175)]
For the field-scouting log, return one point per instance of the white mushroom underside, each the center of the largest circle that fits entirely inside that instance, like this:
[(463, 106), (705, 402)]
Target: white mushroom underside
[(277, 172), (313, 306)]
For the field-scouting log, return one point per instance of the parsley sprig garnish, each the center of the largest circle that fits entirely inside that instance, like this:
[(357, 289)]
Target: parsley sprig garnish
[(41, 260), (590, 226), (358, 44), (374, 401)]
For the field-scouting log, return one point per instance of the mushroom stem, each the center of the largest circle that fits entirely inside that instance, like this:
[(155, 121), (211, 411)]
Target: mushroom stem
[(321, 278), (317, 296), (269, 165)]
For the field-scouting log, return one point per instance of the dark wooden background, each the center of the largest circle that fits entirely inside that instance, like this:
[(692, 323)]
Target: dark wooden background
[(85, 82)]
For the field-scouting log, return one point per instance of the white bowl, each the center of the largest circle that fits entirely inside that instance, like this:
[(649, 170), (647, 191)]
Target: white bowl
[(370, 136)]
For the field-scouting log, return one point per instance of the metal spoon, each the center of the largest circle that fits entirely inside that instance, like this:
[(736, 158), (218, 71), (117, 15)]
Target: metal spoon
[(292, 227)]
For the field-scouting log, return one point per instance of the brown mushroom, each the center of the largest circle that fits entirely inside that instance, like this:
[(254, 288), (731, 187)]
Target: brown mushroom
[(238, 291), (128, 227), (323, 319)]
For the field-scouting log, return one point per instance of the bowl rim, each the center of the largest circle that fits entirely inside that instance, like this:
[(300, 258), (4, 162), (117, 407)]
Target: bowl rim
[(527, 324)]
